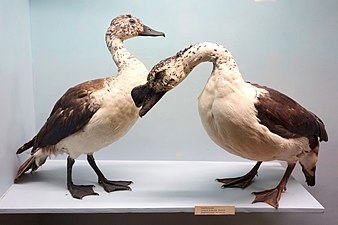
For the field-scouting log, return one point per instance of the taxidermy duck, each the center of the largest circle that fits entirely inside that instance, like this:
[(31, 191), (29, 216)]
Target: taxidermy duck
[(93, 114), (248, 120)]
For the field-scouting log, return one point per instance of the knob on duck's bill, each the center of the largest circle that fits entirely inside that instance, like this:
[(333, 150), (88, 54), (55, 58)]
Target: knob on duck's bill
[(145, 97), (147, 31)]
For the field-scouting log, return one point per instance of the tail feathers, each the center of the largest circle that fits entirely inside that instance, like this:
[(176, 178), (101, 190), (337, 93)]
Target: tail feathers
[(32, 163), (308, 164), (27, 165), (322, 132), (26, 146)]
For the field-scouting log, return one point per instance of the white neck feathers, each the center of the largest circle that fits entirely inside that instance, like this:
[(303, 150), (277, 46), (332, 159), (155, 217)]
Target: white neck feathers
[(221, 58), (121, 56)]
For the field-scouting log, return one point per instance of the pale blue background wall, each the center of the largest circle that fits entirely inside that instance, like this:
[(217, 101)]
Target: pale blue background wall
[(16, 86), (288, 45)]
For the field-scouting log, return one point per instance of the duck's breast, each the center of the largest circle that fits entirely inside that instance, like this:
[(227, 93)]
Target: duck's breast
[(230, 118), (116, 115)]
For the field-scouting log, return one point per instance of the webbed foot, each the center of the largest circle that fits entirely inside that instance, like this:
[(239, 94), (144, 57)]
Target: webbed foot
[(240, 182), (271, 196), (236, 182), (80, 191), (110, 186)]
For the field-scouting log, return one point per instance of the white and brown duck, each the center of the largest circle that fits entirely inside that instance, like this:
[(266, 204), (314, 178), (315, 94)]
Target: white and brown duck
[(93, 114), (248, 120)]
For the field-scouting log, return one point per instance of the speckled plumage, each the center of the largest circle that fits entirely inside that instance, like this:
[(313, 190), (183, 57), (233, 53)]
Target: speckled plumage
[(93, 114), (248, 120)]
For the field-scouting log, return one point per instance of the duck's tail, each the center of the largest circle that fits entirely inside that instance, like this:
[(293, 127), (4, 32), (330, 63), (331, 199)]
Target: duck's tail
[(308, 164), (32, 163), (26, 146)]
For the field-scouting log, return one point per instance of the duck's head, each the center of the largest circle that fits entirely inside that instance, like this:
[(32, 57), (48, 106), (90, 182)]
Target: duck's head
[(163, 77), (128, 26)]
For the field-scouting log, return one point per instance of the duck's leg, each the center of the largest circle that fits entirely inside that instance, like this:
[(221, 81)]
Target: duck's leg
[(77, 191), (240, 182), (108, 185), (272, 196)]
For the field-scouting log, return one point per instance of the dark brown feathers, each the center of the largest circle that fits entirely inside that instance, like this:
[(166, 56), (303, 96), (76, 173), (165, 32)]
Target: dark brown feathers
[(26, 146), (27, 165), (285, 117), (70, 114)]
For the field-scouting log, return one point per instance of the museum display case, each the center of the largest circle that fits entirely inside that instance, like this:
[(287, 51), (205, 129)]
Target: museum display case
[(50, 46)]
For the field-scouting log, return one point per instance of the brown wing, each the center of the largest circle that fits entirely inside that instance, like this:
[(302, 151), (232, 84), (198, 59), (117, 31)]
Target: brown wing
[(70, 113), (285, 117)]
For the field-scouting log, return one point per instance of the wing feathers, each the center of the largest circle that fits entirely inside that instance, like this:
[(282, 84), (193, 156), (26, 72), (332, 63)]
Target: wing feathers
[(70, 113), (285, 117)]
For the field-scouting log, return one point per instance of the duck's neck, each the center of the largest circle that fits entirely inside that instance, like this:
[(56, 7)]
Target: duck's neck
[(223, 62), (122, 57)]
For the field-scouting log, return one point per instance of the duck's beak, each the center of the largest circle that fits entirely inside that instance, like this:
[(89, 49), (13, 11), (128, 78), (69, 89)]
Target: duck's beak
[(147, 31), (145, 97)]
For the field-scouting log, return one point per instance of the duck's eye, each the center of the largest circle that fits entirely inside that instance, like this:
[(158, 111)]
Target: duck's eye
[(132, 21), (159, 75)]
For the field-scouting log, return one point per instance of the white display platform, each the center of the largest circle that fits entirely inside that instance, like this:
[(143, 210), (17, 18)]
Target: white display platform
[(159, 186)]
